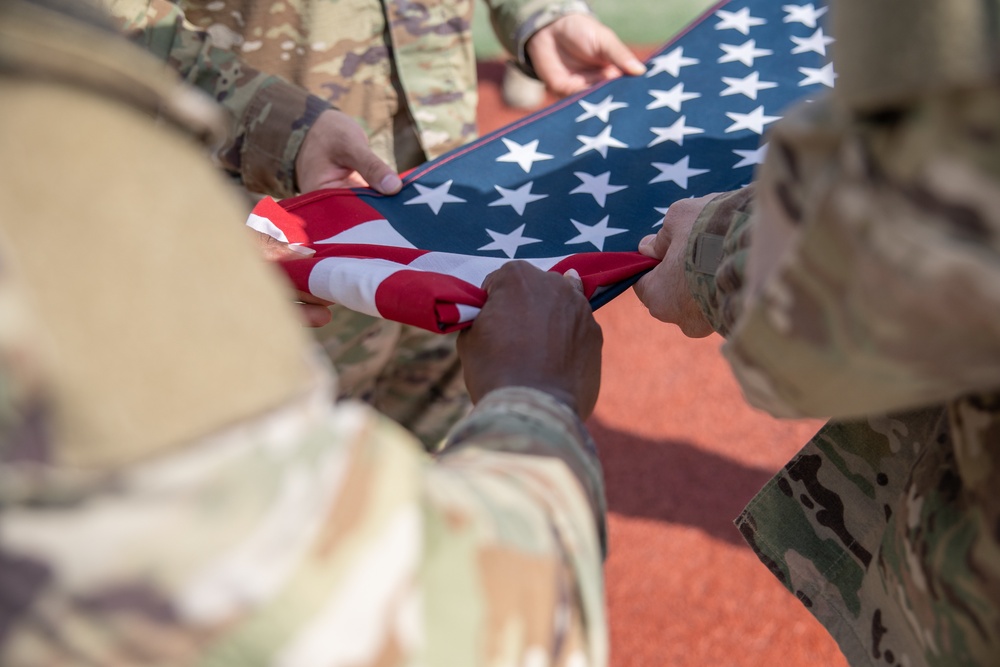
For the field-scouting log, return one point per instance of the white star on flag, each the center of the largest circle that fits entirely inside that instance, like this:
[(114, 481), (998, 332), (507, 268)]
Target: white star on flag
[(675, 133), (672, 98), (740, 20), (509, 243), (600, 143), (599, 186), (807, 15), (600, 110), (749, 85), (678, 172), (434, 197), (517, 199), (662, 212), (753, 121), (750, 158), (745, 53), (594, 234), (817, 43), (670, 63), (824, 75), (578, 173), (524, 155)]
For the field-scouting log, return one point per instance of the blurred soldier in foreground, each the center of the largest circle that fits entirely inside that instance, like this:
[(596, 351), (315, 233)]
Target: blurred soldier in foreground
[(205, 504), (861, 280), (407, 73)]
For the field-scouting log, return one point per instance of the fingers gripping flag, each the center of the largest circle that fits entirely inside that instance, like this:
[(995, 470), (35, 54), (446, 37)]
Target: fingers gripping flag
[(576, 185)]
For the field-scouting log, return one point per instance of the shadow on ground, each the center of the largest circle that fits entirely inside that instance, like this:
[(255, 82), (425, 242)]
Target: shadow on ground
[(675, 482)]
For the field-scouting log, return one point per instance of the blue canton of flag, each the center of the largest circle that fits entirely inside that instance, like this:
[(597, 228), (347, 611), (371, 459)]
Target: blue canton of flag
[(576, 185)]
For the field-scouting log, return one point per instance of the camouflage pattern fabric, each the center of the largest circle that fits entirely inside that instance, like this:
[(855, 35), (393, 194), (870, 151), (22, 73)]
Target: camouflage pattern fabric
[(861, 281), (303, 534), (405, 70), (269, 117), (884, 533), (408, 374), (308, 537)]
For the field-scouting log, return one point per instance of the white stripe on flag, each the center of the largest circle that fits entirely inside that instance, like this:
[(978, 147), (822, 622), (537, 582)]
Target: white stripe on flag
[(351, 282), (467, 313), (469, 268), (265, 226), (375, 232)]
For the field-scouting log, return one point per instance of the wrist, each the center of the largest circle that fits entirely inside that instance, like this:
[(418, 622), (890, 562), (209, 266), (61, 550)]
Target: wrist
[(541, 18), (710, 252), (315, 107)]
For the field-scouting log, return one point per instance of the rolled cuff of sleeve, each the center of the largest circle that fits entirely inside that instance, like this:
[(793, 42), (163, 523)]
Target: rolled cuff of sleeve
[(271, 132), (715, 258), (516, 28)]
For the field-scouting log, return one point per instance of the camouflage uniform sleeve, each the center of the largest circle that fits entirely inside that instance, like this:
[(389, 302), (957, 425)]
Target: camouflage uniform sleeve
[(520, 489), (876, 259), (528, 422), (269, 116), (313, 537), (716, 257), (515, 21)]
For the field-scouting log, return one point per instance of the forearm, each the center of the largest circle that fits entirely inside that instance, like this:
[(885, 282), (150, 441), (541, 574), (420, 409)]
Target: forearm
[(269, 117), (297, 532), (254, 549), (520, 479), (872, 279), (526, 421)]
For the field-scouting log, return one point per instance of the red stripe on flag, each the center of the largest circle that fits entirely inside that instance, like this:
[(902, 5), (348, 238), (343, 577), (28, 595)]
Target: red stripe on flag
[(293, 226), (427, 300), (598, 269), (307, 217), (298, 271)]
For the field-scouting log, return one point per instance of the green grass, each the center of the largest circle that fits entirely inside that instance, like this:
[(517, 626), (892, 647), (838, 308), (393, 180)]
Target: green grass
[(637, 22)]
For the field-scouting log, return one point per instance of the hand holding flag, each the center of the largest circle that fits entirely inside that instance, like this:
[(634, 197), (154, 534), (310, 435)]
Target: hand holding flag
[(574, 186)]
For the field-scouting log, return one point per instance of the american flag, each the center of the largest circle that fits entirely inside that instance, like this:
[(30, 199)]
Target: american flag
[(576, 185)]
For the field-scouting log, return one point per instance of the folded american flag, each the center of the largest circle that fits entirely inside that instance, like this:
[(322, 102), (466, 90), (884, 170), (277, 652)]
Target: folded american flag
[(576, 185)]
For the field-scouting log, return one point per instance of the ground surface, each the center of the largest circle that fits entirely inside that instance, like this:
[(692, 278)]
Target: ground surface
[(682, 454)]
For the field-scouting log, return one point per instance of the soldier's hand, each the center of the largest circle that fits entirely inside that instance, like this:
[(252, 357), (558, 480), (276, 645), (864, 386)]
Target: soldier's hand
[(536, 330), (664, 290), (313, 311), (576, 51), (336, 154)]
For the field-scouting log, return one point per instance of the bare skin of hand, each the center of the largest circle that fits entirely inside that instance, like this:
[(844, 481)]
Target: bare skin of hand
[(313, 311), (664, 290), (336, 154), (536, 330), (576, 51)]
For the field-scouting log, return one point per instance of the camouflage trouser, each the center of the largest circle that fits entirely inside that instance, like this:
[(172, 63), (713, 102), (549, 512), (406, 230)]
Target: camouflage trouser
[(888, 530), (408, 374)]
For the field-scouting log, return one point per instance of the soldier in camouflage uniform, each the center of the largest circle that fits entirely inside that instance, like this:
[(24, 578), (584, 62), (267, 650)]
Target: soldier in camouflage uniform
[(270, 119), (861, 280), (406, 72), (206, 504)]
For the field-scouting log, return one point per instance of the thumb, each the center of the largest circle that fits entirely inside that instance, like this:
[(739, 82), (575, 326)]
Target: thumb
[(573, 276), (378, 174), (656, 245)]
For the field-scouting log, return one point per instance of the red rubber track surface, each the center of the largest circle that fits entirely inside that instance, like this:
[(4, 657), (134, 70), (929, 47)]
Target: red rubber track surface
[(682, 455)]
